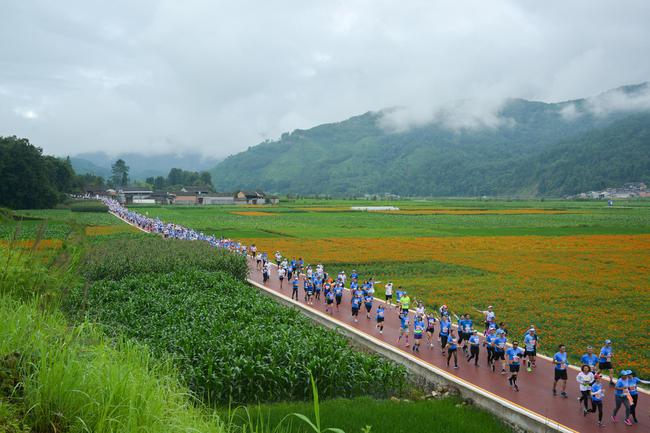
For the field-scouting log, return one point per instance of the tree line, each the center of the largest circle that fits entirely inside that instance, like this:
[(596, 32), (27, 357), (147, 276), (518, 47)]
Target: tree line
[(31, 180)]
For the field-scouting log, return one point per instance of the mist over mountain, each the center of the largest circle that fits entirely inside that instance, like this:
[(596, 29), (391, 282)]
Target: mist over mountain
[(140, 165), (520, 148)]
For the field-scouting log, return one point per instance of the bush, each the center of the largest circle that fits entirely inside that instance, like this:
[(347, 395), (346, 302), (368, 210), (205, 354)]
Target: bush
[(231, 342), (117, 258)]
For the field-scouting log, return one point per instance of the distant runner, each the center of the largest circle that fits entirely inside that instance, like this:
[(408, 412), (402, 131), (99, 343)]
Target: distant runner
[(514, 356), (474, 347), (380, 319), (561, 363)]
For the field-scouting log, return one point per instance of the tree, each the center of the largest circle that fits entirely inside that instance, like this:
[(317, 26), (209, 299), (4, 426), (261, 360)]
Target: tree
[(120, 173), (30, 180), (159, 182)]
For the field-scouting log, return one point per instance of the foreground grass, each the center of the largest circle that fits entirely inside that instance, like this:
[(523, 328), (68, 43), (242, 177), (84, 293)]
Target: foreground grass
[(73, 379), (383, 416)]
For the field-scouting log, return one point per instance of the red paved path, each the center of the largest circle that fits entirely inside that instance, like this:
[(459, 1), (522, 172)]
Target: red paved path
[(535, 388)]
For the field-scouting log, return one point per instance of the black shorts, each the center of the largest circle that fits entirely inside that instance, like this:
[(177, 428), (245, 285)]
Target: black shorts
[(605, 365), (560, 374), (329, 301), (514, 368), (417, 336), (452, 349), (355, 311), (368, 307), (431, 330), (281, 278), (529, 353), (380, 319), (389, 297), (338, 300), (473, 349), (405, 310), (443, 340), (498, 355)]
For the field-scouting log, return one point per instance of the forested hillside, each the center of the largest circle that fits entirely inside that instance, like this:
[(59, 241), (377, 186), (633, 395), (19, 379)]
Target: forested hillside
[(538, 149)]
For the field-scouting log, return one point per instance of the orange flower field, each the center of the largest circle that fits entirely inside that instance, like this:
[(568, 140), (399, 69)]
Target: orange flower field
[(576, 289)]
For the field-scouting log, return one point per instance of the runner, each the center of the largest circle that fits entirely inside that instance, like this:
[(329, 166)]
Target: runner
[(605, 360), (309, 293), (404, 328), (405, 302), (281, 273), (278, 258), (258, 260), (431, 328), (265, 273), (590, 359), (530, 345), (622, 397), (317, 288), (367, 302), (398, 297), (329, 300), (465, 325), (597, 395), (453, 349), (514, 356), (489, 347), (389, 293), (585, 378), (561, 363), (356, 304), (380, 319), (500, 350), (445, 330), (490, 317), (338, 295), (419, 310), (632, 382), (418, 330), (474, 348)]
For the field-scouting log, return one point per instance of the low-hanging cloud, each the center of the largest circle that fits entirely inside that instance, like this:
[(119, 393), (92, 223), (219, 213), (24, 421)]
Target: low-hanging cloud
[(216, 77)]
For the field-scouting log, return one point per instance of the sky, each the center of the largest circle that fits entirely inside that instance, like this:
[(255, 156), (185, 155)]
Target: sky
[(216, 77)]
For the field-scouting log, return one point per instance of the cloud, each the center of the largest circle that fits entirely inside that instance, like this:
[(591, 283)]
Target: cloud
[(620, 100), (216, 77), (26, 113)]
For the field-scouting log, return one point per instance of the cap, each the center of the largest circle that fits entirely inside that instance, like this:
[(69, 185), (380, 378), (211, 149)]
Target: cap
[(608, 341), (499, 331), (490, 306), (531, 330), (475, 332), (624, 373)]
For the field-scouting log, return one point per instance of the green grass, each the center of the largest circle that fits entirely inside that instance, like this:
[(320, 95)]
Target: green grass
[(384, 416)]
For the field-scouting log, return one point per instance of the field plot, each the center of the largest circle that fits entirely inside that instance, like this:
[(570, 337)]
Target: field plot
[(579, 271)]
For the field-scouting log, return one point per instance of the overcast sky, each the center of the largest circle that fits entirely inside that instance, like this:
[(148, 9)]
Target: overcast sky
[(217, 77)]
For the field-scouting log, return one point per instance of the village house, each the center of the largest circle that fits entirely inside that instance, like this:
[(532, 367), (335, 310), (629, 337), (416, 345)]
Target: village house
[(217, 198)]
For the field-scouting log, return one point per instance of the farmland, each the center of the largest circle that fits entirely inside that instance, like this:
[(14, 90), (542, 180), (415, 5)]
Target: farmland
[(573, 269), (161, 334)]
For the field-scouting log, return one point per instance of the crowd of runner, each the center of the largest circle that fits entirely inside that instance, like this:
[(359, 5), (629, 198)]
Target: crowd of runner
[(502, 352)]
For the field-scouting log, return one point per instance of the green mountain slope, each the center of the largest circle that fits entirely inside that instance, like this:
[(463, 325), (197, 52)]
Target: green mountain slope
[(537, 150)]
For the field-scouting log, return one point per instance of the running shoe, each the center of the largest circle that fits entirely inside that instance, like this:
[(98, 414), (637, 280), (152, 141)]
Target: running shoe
[(627, 421), (614, 418), (529, 369)]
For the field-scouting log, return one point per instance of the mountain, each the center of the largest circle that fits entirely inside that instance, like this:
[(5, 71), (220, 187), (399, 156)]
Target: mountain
[(141, 166), (84, 166), (535, 148)]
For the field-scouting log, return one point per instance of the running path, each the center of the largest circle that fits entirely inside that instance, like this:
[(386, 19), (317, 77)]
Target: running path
[(534, 397)]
